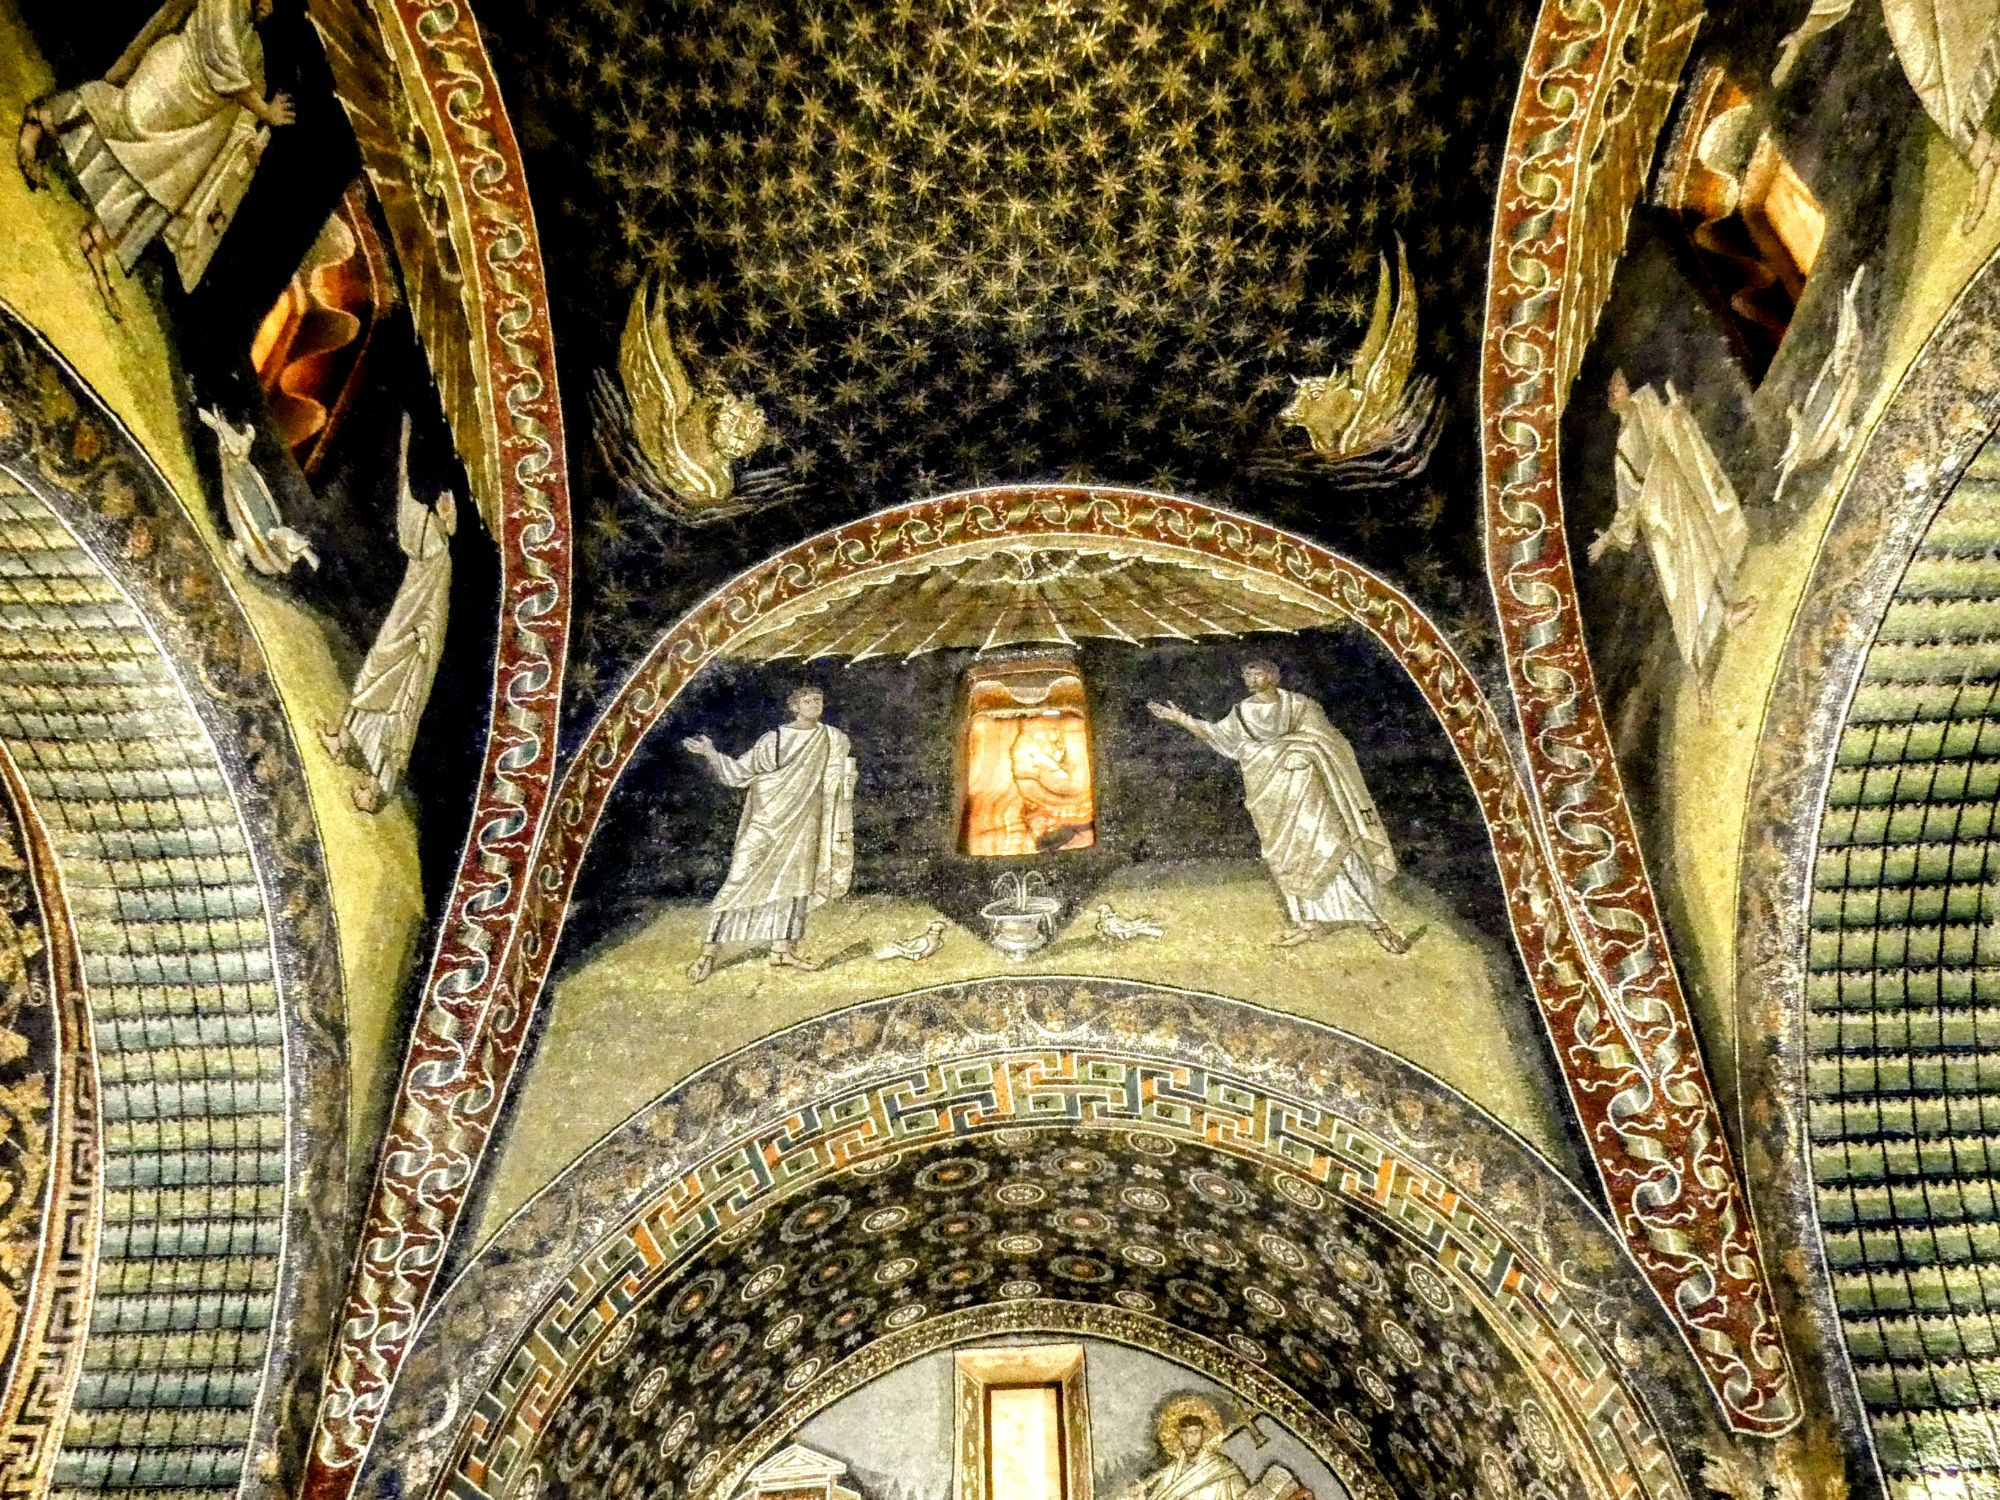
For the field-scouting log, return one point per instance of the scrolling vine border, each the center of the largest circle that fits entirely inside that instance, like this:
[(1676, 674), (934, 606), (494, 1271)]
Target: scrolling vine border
[(445, 1105), (1685, 1216)]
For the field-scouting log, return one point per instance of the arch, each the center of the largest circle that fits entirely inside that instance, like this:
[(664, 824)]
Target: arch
[(1594, 94), (151, 748), (851, 1122), (1648, 1115), (1942, 414), (57, 1177), (421, 95)]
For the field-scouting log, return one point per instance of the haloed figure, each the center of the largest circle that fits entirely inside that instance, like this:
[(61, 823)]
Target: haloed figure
[(1190, 1434), (795, 841), (1322, 838)]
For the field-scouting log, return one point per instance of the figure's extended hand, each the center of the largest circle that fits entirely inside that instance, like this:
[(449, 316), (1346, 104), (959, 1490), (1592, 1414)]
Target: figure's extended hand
[(699, 744), (1599, 545), (278, 110), (1172, 713)]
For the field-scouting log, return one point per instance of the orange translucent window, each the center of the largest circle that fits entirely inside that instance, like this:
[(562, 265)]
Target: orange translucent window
[(1028, 783)]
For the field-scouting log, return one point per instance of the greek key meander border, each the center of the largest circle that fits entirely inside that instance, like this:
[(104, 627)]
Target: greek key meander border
[(1945, 408), (1654, 1136), (1687, 1222), (443, 1114), (995, 1090), (50, 1334)]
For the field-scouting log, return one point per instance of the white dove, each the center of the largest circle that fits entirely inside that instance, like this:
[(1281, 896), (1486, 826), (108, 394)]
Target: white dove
[(915, 949), (1124, 929)]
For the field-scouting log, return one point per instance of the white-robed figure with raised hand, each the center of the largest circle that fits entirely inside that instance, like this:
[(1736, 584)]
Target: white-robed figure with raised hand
[(1322, 838), (395, 679), (1673, 496), (795, 840), (165, 144)]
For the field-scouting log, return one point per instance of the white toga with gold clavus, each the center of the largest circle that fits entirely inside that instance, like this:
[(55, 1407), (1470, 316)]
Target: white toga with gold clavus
[(163, 145), (1322, 837), (795, 841), (1209, 1475), (395, 679), (1672, 492)]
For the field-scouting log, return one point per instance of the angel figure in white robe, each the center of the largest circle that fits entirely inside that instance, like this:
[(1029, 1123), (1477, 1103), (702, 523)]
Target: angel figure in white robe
[(1322, 837), (165, 144), (395, 680), (1950, 52), (795, 840), (259, 537), (1673, 494)]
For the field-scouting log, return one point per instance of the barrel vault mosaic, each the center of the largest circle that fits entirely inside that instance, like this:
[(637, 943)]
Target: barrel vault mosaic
[(1020, 749)]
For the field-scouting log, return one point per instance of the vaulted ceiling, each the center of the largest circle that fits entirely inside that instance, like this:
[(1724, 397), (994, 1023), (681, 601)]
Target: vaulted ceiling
[(942, 245)]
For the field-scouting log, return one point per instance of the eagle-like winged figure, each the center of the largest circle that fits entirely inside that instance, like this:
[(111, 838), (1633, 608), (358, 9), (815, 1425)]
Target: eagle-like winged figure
[(1374, 407), (676, 445)]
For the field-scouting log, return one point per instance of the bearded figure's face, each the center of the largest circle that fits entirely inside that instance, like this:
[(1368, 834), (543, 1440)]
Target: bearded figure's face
[(739, 426)]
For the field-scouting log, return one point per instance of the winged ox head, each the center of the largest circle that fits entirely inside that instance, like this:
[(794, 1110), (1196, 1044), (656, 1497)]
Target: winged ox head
[(1322, 403)]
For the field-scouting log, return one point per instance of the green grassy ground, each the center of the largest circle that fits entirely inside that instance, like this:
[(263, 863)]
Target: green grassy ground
[(626, 1025)]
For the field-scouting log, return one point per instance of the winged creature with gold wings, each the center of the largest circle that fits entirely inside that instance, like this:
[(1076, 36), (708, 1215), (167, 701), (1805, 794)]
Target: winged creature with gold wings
[(675, 444), (1374, 418)]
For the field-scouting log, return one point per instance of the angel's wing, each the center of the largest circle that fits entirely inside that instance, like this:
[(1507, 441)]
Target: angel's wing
[(656, 383), (1377, 336), (1847, 332), (1386, 375), (1629, 108)]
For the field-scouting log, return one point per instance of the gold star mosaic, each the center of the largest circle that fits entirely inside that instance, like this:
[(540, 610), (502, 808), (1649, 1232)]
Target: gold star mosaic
[(970, 241)]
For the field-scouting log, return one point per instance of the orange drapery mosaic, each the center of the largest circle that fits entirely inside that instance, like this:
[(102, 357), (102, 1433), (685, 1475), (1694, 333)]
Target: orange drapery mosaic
[(1028, 783)]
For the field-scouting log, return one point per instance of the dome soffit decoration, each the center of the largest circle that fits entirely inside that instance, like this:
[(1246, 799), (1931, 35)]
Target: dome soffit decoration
[(1048, 1150), (993, 242)]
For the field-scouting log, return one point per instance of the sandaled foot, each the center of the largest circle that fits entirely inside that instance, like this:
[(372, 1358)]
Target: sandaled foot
[(1394, 942), (369, 797), (93, 257), (335, 741), (34, 135), (791, 961), (1297, 936), (701, 968)]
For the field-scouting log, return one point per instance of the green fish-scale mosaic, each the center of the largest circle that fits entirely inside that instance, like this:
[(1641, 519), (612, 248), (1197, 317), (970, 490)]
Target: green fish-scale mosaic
[(185, 1007), (1903, 1020)]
